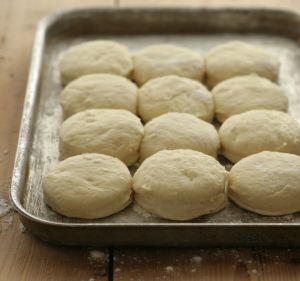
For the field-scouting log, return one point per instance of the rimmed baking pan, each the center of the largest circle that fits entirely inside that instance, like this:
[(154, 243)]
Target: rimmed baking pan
[(196, 28)]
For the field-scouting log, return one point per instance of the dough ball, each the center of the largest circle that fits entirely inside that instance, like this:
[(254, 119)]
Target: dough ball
[(180, 184), (161, 60), (238, 58), (258, 130), (267, 183), (98, 56), (175, 94), (99, 91), (88, 186), (179, 130), (112, 132), (244, 93)]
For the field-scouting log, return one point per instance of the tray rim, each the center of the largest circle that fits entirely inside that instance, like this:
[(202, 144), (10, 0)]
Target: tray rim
[(26, 124)]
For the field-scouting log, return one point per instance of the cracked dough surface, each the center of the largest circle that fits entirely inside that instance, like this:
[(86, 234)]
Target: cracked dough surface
[(238, 58), (258, 130), (99, 56), (179, 131), (244, 93), (175, 94), (113, 132), (88, 186), (164, 59), (180, 184), (99, 91), (267, 183)]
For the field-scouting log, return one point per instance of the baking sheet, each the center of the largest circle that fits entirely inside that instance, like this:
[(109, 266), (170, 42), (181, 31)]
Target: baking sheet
[(42, 143)]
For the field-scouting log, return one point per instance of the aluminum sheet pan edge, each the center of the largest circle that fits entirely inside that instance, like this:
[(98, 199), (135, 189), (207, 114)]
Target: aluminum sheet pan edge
[(37, 146)]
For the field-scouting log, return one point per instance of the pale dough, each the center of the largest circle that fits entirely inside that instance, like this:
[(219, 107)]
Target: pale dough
[(267, 183), (244, 93), (113, 132), (179, 130), (258, 130), (174, 94), (99, 56), (239, 58), (99, 91), (88, 186), (161, 60), (180, 184)]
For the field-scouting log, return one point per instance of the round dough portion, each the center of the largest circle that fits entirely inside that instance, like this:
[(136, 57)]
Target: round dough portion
[(161, 60), (258, 130), (179, 131), (99, 91), (175, 94), (113, 132), (245, 93), (180, 184), (239, 58), (88, 186), (99, 56), (267, 183)]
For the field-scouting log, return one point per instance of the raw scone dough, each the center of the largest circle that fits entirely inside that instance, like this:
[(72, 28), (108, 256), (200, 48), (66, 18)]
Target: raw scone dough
[(267, 183), (175, 94), (258, 130), (161, 60), (98, 56), (88, 186), (239, 58), (99, 91), (179, 131), (244, 93), (112, 132), (180, 184)]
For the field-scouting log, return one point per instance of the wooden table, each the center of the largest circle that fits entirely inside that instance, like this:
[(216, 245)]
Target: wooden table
[(22, 257)]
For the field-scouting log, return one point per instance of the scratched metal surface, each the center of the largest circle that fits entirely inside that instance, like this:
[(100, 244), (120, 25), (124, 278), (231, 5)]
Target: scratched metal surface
[(43, 143)]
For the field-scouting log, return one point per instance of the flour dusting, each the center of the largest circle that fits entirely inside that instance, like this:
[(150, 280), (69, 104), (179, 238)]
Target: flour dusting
[(136, 208), (4, 208), (22, 228), (97, 255), (169, 268), (196, 259)]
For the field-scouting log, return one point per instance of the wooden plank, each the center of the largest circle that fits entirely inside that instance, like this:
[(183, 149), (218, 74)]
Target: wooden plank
[(207, 264), (25, 258), (22, 257), (287, 4)]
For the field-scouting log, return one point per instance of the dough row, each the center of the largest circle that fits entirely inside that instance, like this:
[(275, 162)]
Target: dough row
[(172, 94), (174, 184), (220, 63), (120, 134)]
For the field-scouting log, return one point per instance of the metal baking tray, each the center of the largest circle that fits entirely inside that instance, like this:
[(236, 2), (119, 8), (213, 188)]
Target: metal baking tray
[(195, 28)]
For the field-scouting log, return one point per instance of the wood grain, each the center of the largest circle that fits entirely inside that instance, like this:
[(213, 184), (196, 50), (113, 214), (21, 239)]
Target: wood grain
[(207, 264), (287, 4), (22, 257)]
